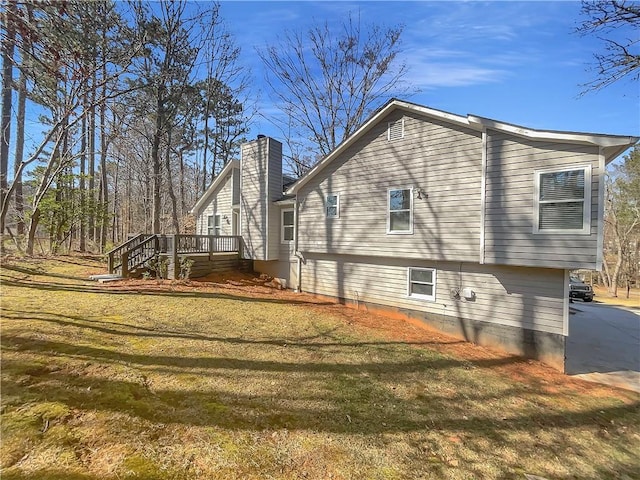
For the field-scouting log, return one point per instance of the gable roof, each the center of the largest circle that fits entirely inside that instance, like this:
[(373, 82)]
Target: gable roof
[(216, 182), (613, 145)]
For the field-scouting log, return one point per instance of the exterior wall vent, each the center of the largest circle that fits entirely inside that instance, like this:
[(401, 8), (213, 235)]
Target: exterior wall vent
[(395, 130)]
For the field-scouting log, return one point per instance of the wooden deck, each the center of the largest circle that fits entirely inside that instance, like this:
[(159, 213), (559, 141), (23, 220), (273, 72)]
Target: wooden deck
[(208, 253)]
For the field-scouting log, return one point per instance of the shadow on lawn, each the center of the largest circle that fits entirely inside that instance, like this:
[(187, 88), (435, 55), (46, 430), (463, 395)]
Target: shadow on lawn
[(61, 287), (39, 272), (127, 329), (338, 398), (343, 398), (61, 349)]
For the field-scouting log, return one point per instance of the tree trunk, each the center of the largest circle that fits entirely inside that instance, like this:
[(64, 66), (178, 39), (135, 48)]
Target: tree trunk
[(19, 154), (83, 171), (618, 266), (155, 159), (183, 202), (104, 198), (33, 226), (92, 160), (172, 195), (7, 98)]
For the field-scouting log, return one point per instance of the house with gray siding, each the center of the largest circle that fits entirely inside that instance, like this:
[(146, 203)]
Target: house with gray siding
[(470, 225)]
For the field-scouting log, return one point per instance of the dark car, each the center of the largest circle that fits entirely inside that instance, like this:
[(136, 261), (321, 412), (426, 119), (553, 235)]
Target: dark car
[(579, 289)]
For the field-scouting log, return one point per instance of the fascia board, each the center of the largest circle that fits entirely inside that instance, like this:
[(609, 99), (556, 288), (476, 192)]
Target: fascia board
[(571, 137)]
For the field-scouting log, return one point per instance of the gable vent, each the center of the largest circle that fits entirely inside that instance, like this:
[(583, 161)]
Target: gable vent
[(395, 130)]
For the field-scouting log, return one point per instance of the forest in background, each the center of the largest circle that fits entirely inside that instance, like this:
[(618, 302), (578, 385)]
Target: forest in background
[(116, 116)]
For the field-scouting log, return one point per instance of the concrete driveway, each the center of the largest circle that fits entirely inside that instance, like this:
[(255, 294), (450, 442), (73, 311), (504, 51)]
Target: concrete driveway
[(604, 344)]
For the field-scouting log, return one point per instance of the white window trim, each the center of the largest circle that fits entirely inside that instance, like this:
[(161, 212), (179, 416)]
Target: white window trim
[(389, 139), (326, 205), (399, 232), (431, 298), (586, 210), (282, 225)]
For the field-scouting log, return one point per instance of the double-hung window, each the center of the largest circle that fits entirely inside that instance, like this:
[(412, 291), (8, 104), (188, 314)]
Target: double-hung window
[(400, 210), (563, 200), (288, 226), (332, 206), (213, 225), (422, 283)]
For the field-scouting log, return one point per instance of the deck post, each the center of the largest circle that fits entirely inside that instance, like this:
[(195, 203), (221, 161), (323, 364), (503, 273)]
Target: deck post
[(175, 273), (125, 264), (211, 246), (110, 262)]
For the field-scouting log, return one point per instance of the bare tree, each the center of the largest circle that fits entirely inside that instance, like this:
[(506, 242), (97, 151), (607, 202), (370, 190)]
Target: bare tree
[(328, 82), (622, 221), (616, 23), (8, 47), (51, 54)]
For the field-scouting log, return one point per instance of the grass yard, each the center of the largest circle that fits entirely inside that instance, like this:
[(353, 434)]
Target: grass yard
[(603, 296), (233, 380)]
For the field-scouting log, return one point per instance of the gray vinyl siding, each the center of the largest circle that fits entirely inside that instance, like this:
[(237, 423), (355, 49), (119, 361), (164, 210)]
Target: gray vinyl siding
[(274, 187), (510, 208), (219, 204), (253, 201), (261, 185), (443, 160), (530, 298)]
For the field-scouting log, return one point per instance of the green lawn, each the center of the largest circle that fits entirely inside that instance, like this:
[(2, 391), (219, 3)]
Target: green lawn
[(147, 381)]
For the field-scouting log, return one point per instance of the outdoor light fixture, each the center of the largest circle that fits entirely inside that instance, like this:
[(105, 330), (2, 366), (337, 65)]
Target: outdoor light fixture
[(420, 193)]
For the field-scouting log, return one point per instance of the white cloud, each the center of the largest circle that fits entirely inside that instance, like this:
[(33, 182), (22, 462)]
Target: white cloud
[(438, 67)]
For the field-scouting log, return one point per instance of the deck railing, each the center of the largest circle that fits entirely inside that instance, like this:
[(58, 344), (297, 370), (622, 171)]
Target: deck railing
[(139, 255), (115, 255), (143, 247)]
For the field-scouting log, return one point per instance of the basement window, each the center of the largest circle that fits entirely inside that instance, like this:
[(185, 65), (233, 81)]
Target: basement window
[(422, 283)]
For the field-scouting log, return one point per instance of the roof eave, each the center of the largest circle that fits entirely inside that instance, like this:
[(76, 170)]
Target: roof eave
[(599, 140)]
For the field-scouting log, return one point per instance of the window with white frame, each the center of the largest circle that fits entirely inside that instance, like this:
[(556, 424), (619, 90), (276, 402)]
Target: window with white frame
[(287, 223), (395, 130), (332, 206), (563, 200), (400, 210), (214, 225), (422, 283)]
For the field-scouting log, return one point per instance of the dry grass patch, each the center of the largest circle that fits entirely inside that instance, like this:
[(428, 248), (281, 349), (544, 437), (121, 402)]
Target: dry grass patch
[(234, 380), (603, 296)]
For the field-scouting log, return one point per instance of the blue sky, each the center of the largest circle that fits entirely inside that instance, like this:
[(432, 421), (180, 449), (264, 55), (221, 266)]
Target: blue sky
[(519, 62)]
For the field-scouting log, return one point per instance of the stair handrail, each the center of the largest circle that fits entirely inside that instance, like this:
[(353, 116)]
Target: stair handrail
[(124, 246), (133, 255)]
